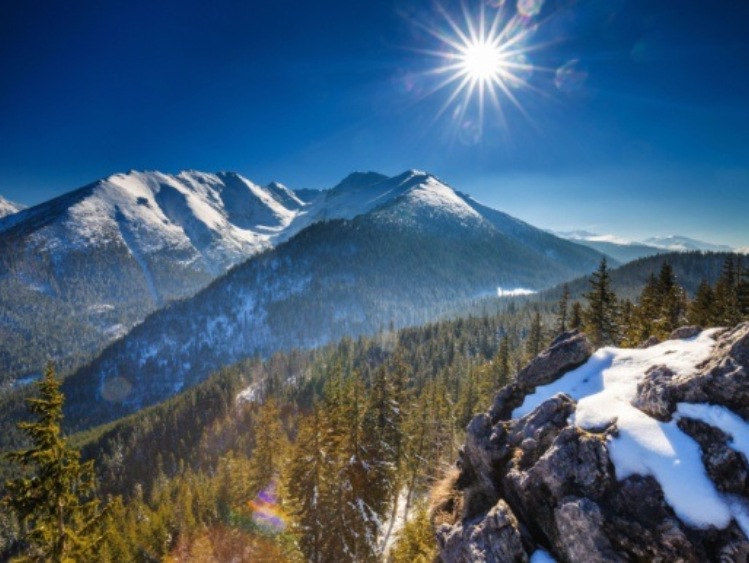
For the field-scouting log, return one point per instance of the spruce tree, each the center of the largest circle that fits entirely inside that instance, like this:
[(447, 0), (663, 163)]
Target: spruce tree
[(702, 309), (304, 483), (535, 336), (672, 304), (501, 365), (269, 446), (727, 295), (628, 324), (562, 312), (576, 317), (601, 314), (742, 290), (55, 499)]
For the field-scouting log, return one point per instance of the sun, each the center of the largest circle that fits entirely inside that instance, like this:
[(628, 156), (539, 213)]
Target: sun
[(483, 59)]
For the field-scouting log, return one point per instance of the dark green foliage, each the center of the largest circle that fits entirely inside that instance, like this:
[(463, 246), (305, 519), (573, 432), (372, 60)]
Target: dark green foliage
[(601, 314), (702, 308), (54, 500), (562, 310), (727, 303), (661, 309), (534, 343), (576, 317), (334, 279)]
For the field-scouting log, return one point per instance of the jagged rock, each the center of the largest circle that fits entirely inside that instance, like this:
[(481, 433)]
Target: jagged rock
[(541, 482), (494, 538), (654, 393), (726, 467), (568, 351), (580, 534), (724, 379)]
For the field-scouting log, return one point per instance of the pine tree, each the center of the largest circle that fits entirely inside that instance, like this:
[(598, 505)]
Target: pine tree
[(534, 342), (501, 365), (600, 316), (55, 500), (672, 304), (645, 316), (576, 317), (702, 309), (270, 444), (726, 294), (304, 483), (628, 324), (562, 312), (742, 290)]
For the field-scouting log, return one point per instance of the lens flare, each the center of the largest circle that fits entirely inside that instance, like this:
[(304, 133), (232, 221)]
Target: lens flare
[(266, 512), (483, 58)]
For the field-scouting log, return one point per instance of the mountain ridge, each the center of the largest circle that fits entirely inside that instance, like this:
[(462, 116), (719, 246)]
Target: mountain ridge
[(420, 249)]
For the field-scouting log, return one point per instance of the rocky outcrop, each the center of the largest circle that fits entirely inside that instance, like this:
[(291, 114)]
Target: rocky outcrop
[(540, 482), (568, 351)]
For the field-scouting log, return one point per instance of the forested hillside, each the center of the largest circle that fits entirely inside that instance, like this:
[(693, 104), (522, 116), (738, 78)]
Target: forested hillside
[(407, 262)]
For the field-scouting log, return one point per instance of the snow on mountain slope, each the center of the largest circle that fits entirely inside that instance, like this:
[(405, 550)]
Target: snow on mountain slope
[(8, 207), (216, 219), (420, 251), (82, 269), (285, 195)]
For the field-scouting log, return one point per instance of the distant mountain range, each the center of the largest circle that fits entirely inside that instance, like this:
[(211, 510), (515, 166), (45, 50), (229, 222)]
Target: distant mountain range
[(625, 251), (678, 243), (81, 270), (373, 252)]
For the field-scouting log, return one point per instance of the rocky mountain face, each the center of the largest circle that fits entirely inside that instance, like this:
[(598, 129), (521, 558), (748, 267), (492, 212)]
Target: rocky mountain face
[(621, 455), (408, 249)]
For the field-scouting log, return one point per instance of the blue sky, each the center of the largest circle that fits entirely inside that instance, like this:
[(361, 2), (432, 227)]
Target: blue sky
[(651, 135)]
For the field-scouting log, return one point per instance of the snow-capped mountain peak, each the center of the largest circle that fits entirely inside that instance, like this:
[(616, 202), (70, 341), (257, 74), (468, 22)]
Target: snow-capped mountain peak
[(8, 207)]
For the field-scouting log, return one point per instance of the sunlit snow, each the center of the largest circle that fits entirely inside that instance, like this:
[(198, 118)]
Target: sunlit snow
[(604, 388)]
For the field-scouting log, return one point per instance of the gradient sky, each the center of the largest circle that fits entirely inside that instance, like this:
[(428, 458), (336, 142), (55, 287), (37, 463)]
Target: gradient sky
[(651, 137)]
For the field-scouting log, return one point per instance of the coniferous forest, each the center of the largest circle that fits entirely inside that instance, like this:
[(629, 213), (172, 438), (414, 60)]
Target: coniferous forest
[(330, 454)]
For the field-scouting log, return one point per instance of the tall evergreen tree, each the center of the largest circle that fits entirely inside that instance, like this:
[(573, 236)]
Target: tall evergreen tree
[(501, 365), (629, 334), (672, 302), (601, 314), (304, 483), (702, 308), (55, 500), (535, 337), (562, 310), (727, 295), (576, 317), (269, 446)]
